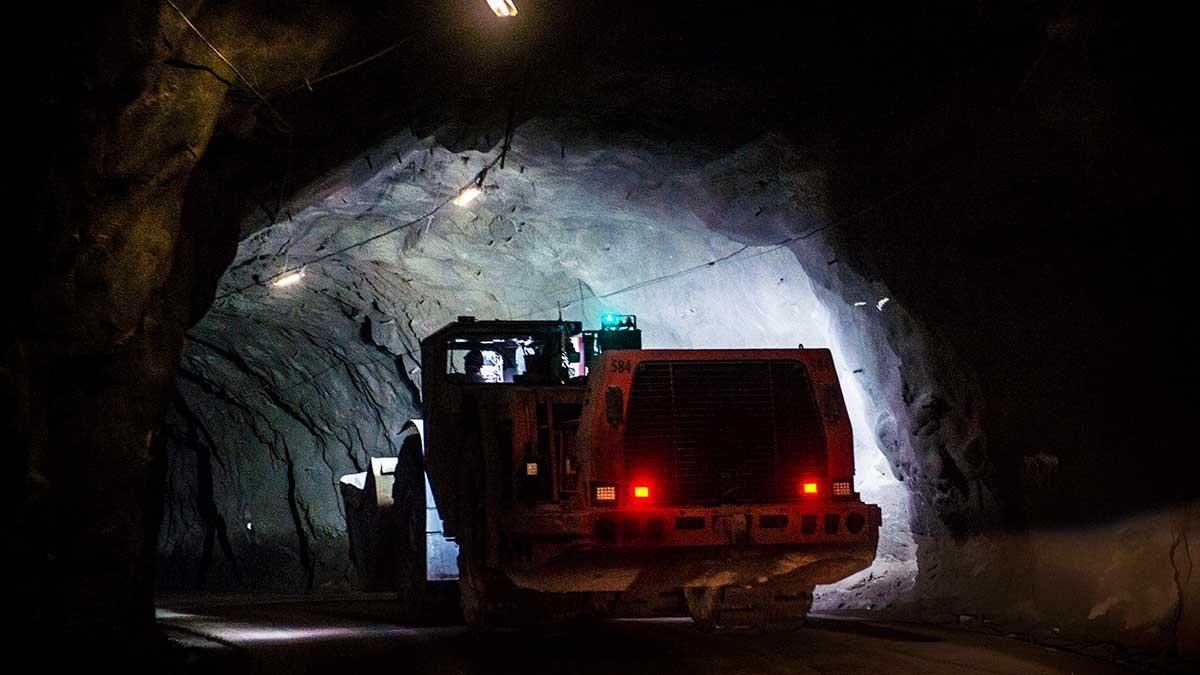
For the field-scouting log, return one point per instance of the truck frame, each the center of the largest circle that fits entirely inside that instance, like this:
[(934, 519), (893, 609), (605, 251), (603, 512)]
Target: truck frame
[(580, 474)]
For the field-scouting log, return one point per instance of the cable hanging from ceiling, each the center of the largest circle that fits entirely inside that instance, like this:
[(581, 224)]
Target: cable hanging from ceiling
[(280, 123), (289, 276), (502, 8), (472, 190), (743, 252), (787, 241), (463, 198)]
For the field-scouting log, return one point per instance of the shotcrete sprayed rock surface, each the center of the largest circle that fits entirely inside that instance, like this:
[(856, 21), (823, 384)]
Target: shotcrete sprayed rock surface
[(324, 373)]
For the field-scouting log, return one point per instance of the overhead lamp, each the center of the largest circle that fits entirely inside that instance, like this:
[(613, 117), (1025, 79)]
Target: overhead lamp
[(288, 279), (471, 192), (503, 8), (467, 196)]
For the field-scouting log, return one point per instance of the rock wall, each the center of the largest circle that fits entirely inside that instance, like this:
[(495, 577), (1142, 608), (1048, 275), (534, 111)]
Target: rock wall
[(271, 411), (100, 305), (323, 374), (1016, 181), (108, 268)]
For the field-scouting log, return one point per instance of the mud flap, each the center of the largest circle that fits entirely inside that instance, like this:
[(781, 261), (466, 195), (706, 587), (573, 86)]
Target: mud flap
[(770, 606), (766, 607)]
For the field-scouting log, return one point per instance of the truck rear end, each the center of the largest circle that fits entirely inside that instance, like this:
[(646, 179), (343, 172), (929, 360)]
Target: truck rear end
[(579, 472), (717, 481)]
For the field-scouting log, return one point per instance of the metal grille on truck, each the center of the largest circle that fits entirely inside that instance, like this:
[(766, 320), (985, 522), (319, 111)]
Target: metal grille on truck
[(711, 432)]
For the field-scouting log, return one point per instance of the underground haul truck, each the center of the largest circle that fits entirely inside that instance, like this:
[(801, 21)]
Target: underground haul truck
[(581, 475)]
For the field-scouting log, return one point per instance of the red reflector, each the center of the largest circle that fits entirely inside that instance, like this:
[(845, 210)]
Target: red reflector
[(641, 491), (808, 488)]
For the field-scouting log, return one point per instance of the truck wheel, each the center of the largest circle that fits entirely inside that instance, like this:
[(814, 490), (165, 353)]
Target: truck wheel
[(704, 605), (472, 577), (470, 591), (408, 494)]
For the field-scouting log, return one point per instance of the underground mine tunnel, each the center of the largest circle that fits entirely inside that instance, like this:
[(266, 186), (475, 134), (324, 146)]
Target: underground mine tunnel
[(250, 225)]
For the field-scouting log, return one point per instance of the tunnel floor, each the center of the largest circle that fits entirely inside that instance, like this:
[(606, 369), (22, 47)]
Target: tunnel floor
[(232, 634)]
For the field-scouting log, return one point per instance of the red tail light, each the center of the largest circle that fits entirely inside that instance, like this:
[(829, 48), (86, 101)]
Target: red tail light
[(641, 492), (809, 488)]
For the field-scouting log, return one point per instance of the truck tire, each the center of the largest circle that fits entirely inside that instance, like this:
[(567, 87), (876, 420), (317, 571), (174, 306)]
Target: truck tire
[(704, 605), (471, 590), (408, 494)]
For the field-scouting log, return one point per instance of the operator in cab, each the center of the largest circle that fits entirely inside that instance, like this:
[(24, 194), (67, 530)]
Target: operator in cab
[(473, 365)]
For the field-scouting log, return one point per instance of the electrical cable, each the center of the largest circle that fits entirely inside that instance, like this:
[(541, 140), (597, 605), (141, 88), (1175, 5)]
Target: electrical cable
[(908, 187), (280, 123), (356, 64), (738, 254), (310, 84), (904, 189), (363, 242)]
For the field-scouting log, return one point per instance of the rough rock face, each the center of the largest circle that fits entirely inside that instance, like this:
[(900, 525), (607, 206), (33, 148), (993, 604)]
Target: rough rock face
[(1016, 182), (324, 373), (107, 271), (102, 281)]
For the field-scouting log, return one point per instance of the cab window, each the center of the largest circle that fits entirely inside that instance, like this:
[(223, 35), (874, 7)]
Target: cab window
[(495, 360)]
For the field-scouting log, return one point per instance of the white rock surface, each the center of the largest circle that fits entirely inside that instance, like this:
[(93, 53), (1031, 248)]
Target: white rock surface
[(325, 372)]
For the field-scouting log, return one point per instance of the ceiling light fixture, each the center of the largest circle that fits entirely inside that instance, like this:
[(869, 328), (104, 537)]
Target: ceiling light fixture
[(467, 196), (503, 8), (288, 279), (471, 192)]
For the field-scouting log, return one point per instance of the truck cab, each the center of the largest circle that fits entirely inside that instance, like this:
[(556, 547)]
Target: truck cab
[(576, 465)]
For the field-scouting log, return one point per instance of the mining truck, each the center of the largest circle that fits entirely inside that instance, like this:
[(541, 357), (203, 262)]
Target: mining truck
[(582, 475)]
